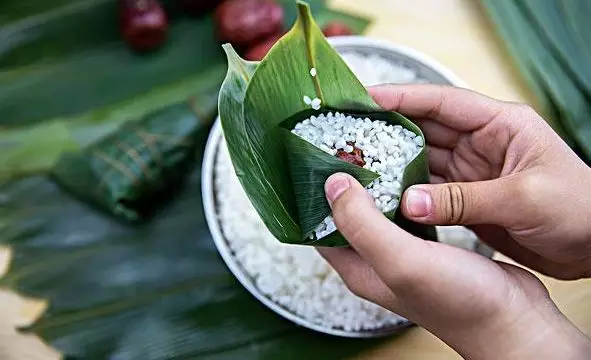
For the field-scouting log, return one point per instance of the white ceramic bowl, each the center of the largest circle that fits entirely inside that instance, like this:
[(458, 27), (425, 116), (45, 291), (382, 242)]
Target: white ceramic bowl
[(426, 67)]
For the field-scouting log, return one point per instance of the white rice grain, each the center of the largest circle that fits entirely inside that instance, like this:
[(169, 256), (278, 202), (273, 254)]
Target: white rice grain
[(372, 138)]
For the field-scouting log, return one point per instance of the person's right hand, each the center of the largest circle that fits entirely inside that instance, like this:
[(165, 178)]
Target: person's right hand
[(499, 168)]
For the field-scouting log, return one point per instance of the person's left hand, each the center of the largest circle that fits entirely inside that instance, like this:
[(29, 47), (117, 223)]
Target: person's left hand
[(483, 309)]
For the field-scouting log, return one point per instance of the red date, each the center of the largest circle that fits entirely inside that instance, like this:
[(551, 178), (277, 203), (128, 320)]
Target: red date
[(258, 52), (336, 29), (247, 22), (355, 157), (143, 23)]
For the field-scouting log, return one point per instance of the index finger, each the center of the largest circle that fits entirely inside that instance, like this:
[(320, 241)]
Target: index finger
[(459, 108)]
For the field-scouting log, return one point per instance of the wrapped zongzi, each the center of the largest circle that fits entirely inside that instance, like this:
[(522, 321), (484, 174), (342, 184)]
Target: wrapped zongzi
[(126, 171), (300, 115)]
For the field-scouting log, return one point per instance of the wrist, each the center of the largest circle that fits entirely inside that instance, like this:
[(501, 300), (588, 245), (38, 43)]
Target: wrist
[(540, 333)]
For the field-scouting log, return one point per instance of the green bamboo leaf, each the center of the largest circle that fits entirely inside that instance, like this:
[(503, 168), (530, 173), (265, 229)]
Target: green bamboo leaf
[(155, 291), (517, 47), (47, 49), (246, 166), (545, 69), (36, 148), (33, 150), (552, 23), (67, 87), (286, 189)]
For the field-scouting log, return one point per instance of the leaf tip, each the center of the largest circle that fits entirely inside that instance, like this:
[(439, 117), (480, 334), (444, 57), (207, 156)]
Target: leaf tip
[(303, 9), (229, 50)]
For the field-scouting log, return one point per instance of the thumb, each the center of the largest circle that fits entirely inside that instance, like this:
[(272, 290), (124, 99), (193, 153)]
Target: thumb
[(374, 237), (461, 203)]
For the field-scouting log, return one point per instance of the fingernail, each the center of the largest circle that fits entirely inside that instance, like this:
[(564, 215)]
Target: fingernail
[(418, 202), (335, 185)]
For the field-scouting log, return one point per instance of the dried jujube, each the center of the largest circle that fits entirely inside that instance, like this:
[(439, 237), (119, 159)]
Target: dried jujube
[(354, 157), (143, 23), (258, 51), (336, 28), (247, 22)]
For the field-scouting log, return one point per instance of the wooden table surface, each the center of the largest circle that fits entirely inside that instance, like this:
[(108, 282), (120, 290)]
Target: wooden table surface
[(453, 32)]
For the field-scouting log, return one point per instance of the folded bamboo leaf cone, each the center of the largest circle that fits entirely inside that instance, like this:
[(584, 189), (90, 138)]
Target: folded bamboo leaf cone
[(300, 115)]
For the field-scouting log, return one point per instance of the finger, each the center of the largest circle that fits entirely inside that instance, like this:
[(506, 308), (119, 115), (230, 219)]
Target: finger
[(439, 160), (376, 239), (416, 271), (460, 109), (438, 134), (360, 278), (463, 203)]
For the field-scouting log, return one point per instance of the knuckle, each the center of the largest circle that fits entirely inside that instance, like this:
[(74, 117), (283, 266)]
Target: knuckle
[(452, 203), (525, 110), (528, 187), (435, 111)]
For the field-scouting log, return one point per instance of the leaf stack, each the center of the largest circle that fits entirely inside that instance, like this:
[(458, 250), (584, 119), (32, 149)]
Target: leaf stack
[(550, 41)]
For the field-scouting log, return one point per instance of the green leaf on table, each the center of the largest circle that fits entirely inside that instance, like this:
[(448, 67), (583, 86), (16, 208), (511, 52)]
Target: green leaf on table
[(531, 33), (154, 291), (36, 148), (254, 124)]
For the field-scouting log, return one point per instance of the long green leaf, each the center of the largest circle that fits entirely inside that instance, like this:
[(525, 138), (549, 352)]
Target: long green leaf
[(246, 166), (156, 291), (93, 78), (67, 57), (552, 23), (36, 148), (546, 70), (286, 190), (517, 47)]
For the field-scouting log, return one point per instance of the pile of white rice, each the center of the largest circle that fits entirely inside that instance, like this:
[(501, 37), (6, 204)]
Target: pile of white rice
[(385, 149), (297, 277)]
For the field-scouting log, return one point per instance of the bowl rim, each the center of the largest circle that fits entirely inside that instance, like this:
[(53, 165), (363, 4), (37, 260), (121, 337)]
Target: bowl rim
[(210, 207), (414, 54)]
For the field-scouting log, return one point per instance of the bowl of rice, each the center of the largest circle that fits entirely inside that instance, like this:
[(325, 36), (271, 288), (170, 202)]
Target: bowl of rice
[(294, 280)]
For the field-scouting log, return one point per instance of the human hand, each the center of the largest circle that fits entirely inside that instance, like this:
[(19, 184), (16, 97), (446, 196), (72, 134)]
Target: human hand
[(483, 309), (506, 162), (501, 170)]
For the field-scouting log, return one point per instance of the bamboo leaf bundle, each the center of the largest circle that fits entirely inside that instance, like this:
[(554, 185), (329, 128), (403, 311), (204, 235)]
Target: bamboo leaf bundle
[(550, 41)]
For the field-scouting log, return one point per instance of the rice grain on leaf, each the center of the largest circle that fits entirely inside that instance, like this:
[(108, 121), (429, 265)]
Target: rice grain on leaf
[(260, 102)]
